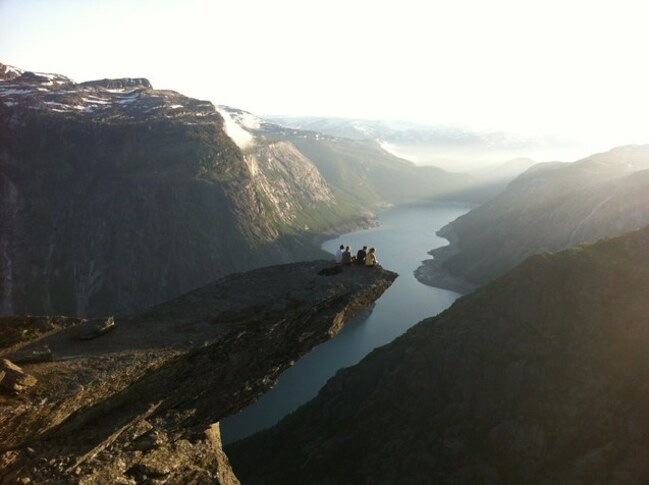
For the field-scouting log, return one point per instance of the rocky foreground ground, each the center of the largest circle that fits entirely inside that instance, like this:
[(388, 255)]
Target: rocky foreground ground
[(137, 399)]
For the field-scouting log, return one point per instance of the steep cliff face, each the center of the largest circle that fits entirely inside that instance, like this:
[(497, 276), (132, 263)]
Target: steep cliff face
[(289, 180), (550, 207), (115, 196), (538, 377), (138, 399), (360, 172)]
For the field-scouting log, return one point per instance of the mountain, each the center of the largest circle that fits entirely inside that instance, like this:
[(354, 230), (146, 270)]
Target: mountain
[(453, 148), (115, 196), (360, 171), (539, 377), (137, 399), (8, 73), (509, 169), (550, 207), (492, 180), (287, 177)]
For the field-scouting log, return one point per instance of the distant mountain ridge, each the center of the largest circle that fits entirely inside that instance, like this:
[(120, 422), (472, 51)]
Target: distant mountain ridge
[(550, 207), (538, 377), (453, 148), (361, 172)]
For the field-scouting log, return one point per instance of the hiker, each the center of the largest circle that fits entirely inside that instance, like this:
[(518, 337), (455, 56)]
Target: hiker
[(339, 254), (370, 259), (360, 255), (347, 256)]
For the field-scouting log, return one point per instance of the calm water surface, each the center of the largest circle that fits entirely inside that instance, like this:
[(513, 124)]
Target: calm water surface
[(402, 241)]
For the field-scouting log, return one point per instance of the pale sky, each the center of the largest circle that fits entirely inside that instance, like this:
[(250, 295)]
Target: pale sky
[(575, 68)]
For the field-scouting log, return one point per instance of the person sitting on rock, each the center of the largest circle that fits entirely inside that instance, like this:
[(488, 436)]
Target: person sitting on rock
[(361, 254), (339, 254), (370, 259), (347, 256)]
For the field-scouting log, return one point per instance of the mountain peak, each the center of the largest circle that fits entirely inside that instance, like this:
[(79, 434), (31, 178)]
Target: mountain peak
[(101, 100), (9, 72), (43, 78)]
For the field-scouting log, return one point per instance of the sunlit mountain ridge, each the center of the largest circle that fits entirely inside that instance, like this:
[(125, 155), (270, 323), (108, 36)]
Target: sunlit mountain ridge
[(550, 207)]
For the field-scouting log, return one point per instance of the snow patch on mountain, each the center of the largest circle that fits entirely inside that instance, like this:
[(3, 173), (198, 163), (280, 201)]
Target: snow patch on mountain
[(107, 99), (11, 91), (96, 100), (14, 70)]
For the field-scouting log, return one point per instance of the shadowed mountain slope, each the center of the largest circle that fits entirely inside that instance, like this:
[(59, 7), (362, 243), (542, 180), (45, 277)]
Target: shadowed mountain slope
[(115, 196), (538, 377), (550, 207)]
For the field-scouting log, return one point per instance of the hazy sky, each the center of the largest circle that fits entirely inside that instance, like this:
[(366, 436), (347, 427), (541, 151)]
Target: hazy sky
[(568, 67)]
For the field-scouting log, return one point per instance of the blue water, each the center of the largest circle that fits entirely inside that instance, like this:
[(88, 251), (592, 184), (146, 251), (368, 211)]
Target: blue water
[(402, 241)]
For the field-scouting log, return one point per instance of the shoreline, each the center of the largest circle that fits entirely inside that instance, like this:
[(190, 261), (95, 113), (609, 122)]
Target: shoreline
[(431, 273)]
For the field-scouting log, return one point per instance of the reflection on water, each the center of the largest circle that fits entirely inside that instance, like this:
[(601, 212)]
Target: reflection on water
[(402, 241)]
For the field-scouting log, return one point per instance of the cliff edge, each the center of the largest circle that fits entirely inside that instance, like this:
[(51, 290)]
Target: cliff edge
[(137, 398)]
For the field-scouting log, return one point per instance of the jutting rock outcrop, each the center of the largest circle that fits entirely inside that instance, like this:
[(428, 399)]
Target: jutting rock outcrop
[(539, 377), (137, 399)]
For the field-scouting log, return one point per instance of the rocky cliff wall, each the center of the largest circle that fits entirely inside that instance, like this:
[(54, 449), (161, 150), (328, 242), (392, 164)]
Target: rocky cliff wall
[(115, 196)]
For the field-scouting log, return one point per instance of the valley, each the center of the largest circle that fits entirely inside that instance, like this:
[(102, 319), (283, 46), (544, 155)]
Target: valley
[(116, 196), (162, 268), (537, 377), (402, 239)]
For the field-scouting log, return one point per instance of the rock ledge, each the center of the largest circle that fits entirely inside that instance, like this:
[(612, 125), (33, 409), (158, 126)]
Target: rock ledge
[(142, 402)]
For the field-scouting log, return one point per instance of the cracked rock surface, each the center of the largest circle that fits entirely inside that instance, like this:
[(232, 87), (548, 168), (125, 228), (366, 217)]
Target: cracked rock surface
[(141, 402)]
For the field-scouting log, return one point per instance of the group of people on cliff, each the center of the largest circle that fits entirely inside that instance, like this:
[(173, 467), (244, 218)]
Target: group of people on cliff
[(364, 257)]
